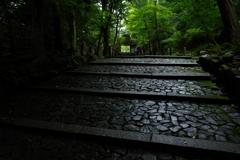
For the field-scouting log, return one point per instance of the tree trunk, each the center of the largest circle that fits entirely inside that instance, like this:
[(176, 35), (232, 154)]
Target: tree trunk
[(57, 27), (81, 48), (1, 42), (99, 43), (230, 21), (105, 28), (12, 38), (116, 30), (149, 42), (105, 41), (73, 35), (37, 28), (157, 30)]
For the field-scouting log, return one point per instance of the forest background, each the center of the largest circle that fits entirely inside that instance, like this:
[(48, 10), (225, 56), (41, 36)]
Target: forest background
[(43, 37)]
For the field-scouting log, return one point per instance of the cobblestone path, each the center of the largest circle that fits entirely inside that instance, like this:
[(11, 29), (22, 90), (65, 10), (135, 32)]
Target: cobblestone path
[(218, 121)]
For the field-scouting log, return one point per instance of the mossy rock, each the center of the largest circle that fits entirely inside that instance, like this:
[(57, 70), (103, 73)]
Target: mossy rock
[(235, 71), (227, 58), (225, 67), (216, 63), (209, 84)]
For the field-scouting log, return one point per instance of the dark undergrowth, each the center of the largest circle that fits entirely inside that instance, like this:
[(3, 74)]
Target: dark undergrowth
[(17, 72)]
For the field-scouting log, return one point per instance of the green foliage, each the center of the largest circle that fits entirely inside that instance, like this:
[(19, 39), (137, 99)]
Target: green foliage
[(141, 22), (196, 22), (237, 6), (180, 23), (218, 49), (180, 39), (16, 11), (125, 48), (202, 14)]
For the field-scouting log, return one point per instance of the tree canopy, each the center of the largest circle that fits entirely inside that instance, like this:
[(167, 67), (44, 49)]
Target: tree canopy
[(96, 26)]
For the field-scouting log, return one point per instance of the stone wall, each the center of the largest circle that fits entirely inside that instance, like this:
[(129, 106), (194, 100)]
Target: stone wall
[(223, 73)]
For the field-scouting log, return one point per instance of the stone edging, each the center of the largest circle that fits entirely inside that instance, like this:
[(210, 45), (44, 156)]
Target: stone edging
[(125, 135), (197, 76), (145, 63), (151, 56), (196, 98)]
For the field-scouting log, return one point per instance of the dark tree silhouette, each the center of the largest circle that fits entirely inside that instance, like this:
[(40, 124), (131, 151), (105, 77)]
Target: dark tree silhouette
[(230, 21)]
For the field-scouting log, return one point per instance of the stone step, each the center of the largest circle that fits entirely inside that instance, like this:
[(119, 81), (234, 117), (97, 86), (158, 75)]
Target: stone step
[(144, 63), (151, 56), (196, 76), (149, 95), (220, 148)]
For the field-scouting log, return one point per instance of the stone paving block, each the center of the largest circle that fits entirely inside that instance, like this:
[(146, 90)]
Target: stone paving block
[(149, 117), (196, 143), (131, 74), (84, 72), (126, 135), (143, 63), (134, 93), (55, 126), (151, 56)]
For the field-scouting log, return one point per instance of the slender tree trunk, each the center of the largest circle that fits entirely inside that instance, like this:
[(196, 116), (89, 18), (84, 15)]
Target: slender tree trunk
[(37, 28), (73, 34), (82, 47), (1, 42), (149, 42), (57, 27), (116, 30), (230, 21), (151, 45), (157, 30), (105, 30), (99, 42), (12, 38), (106, 41)]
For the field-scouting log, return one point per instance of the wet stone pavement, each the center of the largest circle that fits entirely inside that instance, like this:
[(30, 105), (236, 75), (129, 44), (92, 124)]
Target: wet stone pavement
[(149, 60), (30, 144), (140, 69), (184, 119), (116, 83), (205, 121)]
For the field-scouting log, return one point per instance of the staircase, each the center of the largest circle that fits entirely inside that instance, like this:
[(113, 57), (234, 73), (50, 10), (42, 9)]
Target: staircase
[(131, 107)]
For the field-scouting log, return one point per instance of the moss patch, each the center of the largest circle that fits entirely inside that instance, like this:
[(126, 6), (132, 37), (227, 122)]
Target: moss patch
[(208, 84), (197, 70)]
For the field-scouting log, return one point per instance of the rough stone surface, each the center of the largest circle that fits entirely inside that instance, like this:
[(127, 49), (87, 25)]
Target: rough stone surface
[(157, 117)]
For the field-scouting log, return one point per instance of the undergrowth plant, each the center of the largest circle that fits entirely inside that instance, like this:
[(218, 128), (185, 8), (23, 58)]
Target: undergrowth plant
[(219, 48)]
